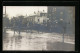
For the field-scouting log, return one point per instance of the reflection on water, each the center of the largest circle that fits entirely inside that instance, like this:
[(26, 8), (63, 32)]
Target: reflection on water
[(23, 41), (28, 41)]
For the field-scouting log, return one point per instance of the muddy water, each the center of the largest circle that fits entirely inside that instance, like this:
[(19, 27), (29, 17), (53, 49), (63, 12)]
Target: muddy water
[(23, 41), (28, 41)]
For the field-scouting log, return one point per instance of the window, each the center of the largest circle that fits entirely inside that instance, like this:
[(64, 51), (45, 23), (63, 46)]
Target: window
[(61, 12), (49, 14), (54, 9), (38, 20)]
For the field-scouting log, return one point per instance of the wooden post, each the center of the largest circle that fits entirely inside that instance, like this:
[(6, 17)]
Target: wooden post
[(5, 17), (5, 12)]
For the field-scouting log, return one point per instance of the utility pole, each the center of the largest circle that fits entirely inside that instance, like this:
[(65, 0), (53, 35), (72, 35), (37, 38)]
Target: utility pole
[(5, 11), (4, 30)]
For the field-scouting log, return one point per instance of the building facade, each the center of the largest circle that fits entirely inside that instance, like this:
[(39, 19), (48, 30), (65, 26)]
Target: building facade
[(61, 17), (38, 18)]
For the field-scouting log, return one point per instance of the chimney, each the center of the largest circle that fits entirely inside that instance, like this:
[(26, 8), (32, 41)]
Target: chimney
[(34, 12), (38, 11), (43, 10)]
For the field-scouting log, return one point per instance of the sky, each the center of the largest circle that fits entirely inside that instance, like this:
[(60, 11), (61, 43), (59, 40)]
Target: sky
[(23, 10)]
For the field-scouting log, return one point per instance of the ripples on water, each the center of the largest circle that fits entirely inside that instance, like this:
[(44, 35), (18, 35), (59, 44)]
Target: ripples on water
[(25, 41)]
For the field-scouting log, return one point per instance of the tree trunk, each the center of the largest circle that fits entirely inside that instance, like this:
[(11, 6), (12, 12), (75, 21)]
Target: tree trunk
[(63, 33)]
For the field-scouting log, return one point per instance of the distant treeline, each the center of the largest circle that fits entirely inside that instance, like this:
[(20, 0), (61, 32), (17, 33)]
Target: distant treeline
[(23, 24)]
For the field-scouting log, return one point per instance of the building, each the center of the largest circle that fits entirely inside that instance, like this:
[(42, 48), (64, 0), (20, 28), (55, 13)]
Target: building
[(38, 18), (41, 18), (61, 18)]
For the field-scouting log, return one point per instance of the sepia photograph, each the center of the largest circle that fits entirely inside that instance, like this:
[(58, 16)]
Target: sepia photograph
[(38, 28)]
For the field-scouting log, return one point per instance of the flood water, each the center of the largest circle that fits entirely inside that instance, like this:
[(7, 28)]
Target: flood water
[(31, 41)]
